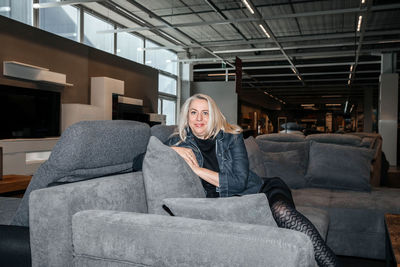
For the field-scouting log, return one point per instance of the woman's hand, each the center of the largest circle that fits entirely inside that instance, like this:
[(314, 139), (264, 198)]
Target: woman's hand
[(187, 154)]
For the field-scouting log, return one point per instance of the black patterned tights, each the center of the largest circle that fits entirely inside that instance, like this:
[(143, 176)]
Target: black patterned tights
[(286, 216)]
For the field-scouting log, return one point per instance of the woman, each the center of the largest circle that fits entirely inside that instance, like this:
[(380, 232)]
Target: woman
[(215, 151)]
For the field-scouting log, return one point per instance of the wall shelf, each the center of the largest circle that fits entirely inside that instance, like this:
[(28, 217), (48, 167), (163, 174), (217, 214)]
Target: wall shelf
[(34, 73)]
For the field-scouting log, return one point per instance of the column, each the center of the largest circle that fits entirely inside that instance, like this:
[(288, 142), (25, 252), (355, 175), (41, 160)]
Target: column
[(388, 106), (368, 110)]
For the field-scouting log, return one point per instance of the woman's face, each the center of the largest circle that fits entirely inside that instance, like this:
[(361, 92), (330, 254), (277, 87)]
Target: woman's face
[(198, 117)]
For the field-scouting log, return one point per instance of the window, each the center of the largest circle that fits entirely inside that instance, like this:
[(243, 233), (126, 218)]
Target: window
[(63, 21), (161, 58), (102, 41), (127, 46), (21, 10), (166, 84), (168, 108)]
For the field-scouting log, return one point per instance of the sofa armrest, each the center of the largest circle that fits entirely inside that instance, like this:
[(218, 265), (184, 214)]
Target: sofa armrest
[(51, 210), (111, 238)]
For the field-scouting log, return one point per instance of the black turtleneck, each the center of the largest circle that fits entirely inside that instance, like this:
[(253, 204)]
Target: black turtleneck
[(207, 149)]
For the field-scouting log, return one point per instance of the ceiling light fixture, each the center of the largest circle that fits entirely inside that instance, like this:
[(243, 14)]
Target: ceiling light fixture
[(362, 1), (263, 29), (248, 6), (333, 105), (307, 105), (331, 96), (359, 23), (351, 68), (221, 74), (348, 82)]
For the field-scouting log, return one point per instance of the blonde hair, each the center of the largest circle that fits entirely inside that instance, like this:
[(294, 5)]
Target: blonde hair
[(216, 120)]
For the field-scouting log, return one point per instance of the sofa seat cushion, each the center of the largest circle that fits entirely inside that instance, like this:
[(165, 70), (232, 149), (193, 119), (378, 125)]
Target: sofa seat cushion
[(167, 175), (356, 225), (319, 218)]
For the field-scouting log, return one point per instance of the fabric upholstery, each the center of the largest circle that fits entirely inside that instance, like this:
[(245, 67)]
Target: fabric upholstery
[(153, 240), (282, 137), (167, 175), (52, 209), (339, 167), (255, 156), (288, 165), (319, 218), (87, 150), (162, 132), (252, 209), (8, 207), (340, 139), (356, 225)]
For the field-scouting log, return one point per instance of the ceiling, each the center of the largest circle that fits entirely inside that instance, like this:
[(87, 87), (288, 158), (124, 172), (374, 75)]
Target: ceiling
[(314, 53)]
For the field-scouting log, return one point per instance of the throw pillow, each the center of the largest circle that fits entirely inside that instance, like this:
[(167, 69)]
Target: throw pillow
[(339, 139), (288, 165), (339, 167), (255, 157), (167, 175), (251, 209)]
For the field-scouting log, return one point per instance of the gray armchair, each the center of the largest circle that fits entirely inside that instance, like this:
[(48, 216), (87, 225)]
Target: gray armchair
[(105, 222)]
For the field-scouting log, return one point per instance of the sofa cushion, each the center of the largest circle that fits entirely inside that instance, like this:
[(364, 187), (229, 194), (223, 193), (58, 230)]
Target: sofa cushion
[(167, 175), (288, 165), (255, 156), (163, 132), (282, 137), (339, 167), (86, 150), (340, 139), (252, 209), (319, 218)]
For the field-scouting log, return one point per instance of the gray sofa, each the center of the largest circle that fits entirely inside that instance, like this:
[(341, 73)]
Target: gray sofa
[(356, 208), (116, 219)]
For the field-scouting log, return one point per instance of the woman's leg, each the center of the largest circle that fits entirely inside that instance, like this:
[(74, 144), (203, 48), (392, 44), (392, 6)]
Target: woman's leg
[(286, 216)]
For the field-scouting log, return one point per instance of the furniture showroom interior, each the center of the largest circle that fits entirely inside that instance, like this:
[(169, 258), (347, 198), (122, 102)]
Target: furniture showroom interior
[(92, 91)]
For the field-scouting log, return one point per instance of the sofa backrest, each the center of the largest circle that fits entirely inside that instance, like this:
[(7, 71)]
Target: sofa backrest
[(86, 150), (285, 142), (163, 132)]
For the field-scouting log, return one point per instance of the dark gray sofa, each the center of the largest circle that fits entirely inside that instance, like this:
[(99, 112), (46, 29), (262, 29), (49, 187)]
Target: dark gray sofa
[(356, 211)]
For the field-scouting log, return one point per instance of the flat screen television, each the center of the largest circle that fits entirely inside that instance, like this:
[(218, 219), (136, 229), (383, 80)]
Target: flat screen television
[(28, 113)]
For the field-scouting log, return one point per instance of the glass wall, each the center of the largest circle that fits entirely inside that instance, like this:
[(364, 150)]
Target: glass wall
[(102, 41), (63, 21), (161, 58), (21, 10), (130, 46), (166, 85), (167, 107)]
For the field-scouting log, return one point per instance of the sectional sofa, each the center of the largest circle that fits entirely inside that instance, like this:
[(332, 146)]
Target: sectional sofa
[(339, 173), (91, 204)]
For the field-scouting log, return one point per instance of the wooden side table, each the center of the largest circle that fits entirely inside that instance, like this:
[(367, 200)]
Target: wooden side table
[(14, 183), (392, 226)]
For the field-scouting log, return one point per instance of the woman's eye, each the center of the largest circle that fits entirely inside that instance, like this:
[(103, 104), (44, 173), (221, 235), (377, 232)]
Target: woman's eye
[(205, 113), (193, 112)]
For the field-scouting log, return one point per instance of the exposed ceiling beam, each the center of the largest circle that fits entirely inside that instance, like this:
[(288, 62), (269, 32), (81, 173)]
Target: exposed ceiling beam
[(155, 16), (260, 18)]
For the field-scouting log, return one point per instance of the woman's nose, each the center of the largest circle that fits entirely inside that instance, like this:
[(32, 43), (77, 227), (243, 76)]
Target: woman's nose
[(199, 117)]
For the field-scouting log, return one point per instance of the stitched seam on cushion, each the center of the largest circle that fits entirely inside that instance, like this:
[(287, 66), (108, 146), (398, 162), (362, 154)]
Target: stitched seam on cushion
[(109, 259)]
